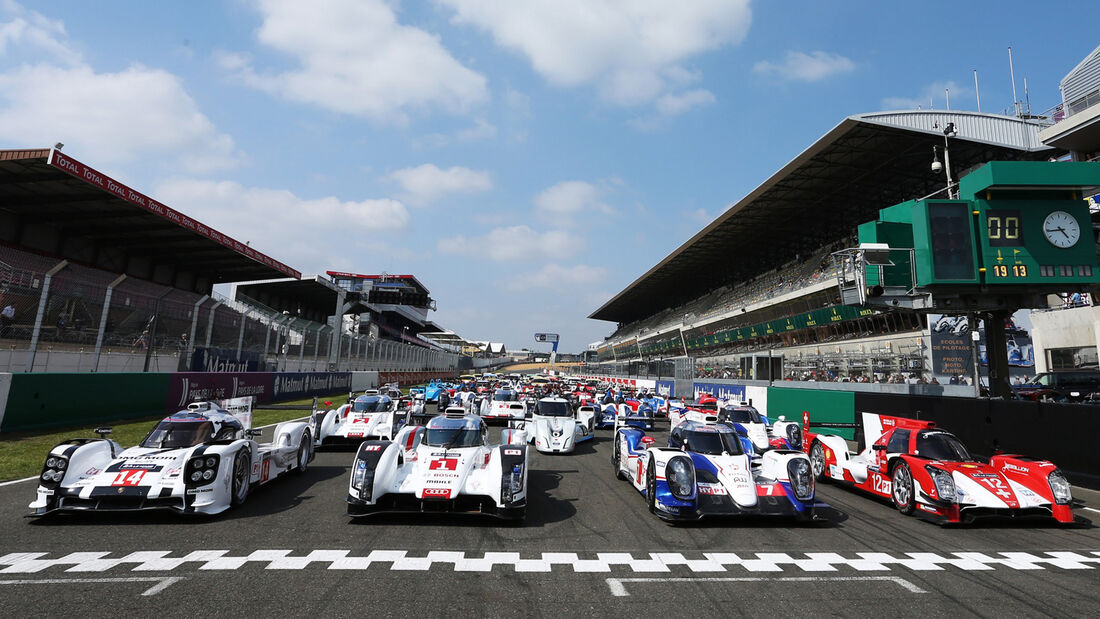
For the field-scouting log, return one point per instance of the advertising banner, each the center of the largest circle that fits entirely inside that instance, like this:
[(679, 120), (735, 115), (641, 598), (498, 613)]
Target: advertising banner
[(289, 385), (224, 360), (952, 357), (187, 387)]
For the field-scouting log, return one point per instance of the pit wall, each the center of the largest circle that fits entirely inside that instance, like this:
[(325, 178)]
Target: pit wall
[(38, 401)]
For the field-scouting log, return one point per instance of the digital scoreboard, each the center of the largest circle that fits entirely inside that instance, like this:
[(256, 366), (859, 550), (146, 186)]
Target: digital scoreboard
[(1024, 225)]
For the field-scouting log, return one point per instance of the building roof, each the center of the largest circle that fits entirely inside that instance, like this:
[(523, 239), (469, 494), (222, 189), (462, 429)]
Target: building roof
[(865, 163), (54, 203)]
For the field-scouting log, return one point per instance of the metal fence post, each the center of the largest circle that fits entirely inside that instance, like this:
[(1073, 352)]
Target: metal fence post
[(103, 320), (194, 328), (42, 312), (302, 348), (210, 322)]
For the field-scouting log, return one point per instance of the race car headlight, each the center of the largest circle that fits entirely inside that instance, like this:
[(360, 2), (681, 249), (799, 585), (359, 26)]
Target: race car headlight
[(1059, 487), (802, 482), (945, 486), (53, 470), (47, 475), (794, 436), (362, 480), (680, 475), (203, 468), (511, 484)]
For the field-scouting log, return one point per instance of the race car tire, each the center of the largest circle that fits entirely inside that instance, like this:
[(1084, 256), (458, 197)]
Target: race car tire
[(817, 460), (902, 490), (651, 486), (241, 478), (304, 453), (615, 458)]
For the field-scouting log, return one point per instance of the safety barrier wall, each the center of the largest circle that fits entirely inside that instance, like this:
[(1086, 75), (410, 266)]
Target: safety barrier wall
[(36, 401)]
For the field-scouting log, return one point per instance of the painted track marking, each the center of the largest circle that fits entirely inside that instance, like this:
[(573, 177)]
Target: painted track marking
[(162, 582), (459, 561), (618, 590), (17, 481)]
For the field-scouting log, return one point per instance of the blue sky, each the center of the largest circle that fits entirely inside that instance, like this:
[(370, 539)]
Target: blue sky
[(526, 160)]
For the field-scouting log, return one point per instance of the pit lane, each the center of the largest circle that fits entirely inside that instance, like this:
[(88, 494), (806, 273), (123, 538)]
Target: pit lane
[(588, 548)]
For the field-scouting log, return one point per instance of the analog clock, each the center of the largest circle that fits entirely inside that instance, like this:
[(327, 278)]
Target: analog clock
[(1061, 229)]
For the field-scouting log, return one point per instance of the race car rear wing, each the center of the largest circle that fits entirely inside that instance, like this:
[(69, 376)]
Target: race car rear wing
[(872, 425)]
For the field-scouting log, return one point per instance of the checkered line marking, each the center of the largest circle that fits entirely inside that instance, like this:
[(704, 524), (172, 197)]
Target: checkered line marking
[(458, 561)]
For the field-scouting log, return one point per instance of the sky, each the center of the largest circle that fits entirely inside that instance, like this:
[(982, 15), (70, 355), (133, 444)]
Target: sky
[(526, 160)]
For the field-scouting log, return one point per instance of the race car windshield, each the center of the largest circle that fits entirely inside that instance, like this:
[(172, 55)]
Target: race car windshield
[(452, 437), (941, 446), (554, 409), (712, 443), (742, 415), (503, 396), (369, 405), (178, 434)]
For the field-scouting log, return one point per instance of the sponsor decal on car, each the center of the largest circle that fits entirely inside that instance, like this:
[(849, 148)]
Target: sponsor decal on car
[(512, 452), (712, 489), (1008, 466), (438, 492), (373, 448)]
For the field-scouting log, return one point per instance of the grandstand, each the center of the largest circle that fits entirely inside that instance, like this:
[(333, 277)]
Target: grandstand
[(100, 277), (759, 280)]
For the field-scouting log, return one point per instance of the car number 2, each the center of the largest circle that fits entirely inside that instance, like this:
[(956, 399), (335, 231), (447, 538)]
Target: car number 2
[(128, 478)]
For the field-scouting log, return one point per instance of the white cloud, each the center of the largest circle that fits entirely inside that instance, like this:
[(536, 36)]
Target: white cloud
[(427, 183), (135, 113), (556, 276), (570, 197), (481, 130), (629, 51), (674, 105), (355, 58), (932, 94), (514, 243), (801, 67), (289, 228)]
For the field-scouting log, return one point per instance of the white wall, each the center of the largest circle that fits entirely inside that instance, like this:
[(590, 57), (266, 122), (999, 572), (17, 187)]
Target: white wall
[(1064, 328)]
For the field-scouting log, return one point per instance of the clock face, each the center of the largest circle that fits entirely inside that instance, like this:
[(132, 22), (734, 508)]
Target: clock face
[(1061, 229)]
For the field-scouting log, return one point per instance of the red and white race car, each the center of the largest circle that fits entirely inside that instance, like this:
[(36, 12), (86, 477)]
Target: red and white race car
[(929, 472)]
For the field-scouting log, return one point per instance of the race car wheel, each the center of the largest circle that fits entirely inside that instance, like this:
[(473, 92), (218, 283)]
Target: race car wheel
[(903, 489), (817, 460), (241, 478), (651, 487), (304, 453), (616, 454)]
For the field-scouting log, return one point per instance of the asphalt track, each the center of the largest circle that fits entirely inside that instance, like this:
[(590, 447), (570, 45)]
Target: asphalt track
[(588, 548)]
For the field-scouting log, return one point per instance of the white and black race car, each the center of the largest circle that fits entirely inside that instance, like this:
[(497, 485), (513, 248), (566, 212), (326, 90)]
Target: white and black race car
[(198, 461), (447, 465), (553, 427), (366, 417)]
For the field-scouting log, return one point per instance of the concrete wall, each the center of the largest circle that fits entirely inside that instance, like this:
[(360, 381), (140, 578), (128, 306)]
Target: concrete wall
[(39, 401), (1066, 328)]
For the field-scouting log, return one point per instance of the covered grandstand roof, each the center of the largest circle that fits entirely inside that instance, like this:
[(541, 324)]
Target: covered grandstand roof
[(313, 298), (866, 163), (445, 338), (56, 204)]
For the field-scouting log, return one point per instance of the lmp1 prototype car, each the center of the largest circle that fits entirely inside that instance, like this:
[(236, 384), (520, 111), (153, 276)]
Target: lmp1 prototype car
[(505, 406), (928, 472), (198, 461), (705, 471), (367, 417), (554, 428), (446, 466)]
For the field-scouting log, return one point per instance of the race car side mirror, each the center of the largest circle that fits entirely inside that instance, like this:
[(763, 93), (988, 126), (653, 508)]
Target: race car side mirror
[(102, 431), (878, 447), (253, 432), (648, 440)]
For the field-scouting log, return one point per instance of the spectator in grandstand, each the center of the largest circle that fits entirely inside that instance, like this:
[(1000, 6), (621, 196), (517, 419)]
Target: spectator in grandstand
[(181, 344), (142, 342), (7, 317)]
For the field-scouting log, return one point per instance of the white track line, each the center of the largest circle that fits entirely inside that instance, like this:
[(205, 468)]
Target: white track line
[(618, 590), (272, 425), (18, 481), (163, 582), (1093, 510)]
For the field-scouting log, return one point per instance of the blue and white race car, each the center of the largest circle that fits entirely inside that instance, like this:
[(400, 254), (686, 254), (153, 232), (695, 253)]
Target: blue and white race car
[(705, 471), (202, 460)]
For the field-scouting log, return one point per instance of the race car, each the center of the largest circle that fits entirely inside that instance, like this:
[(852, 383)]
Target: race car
[(202, 460), (367, 417), (504, 407), (554, 428), (447, 465), (704, 471), (432, 391), (929, 472)]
